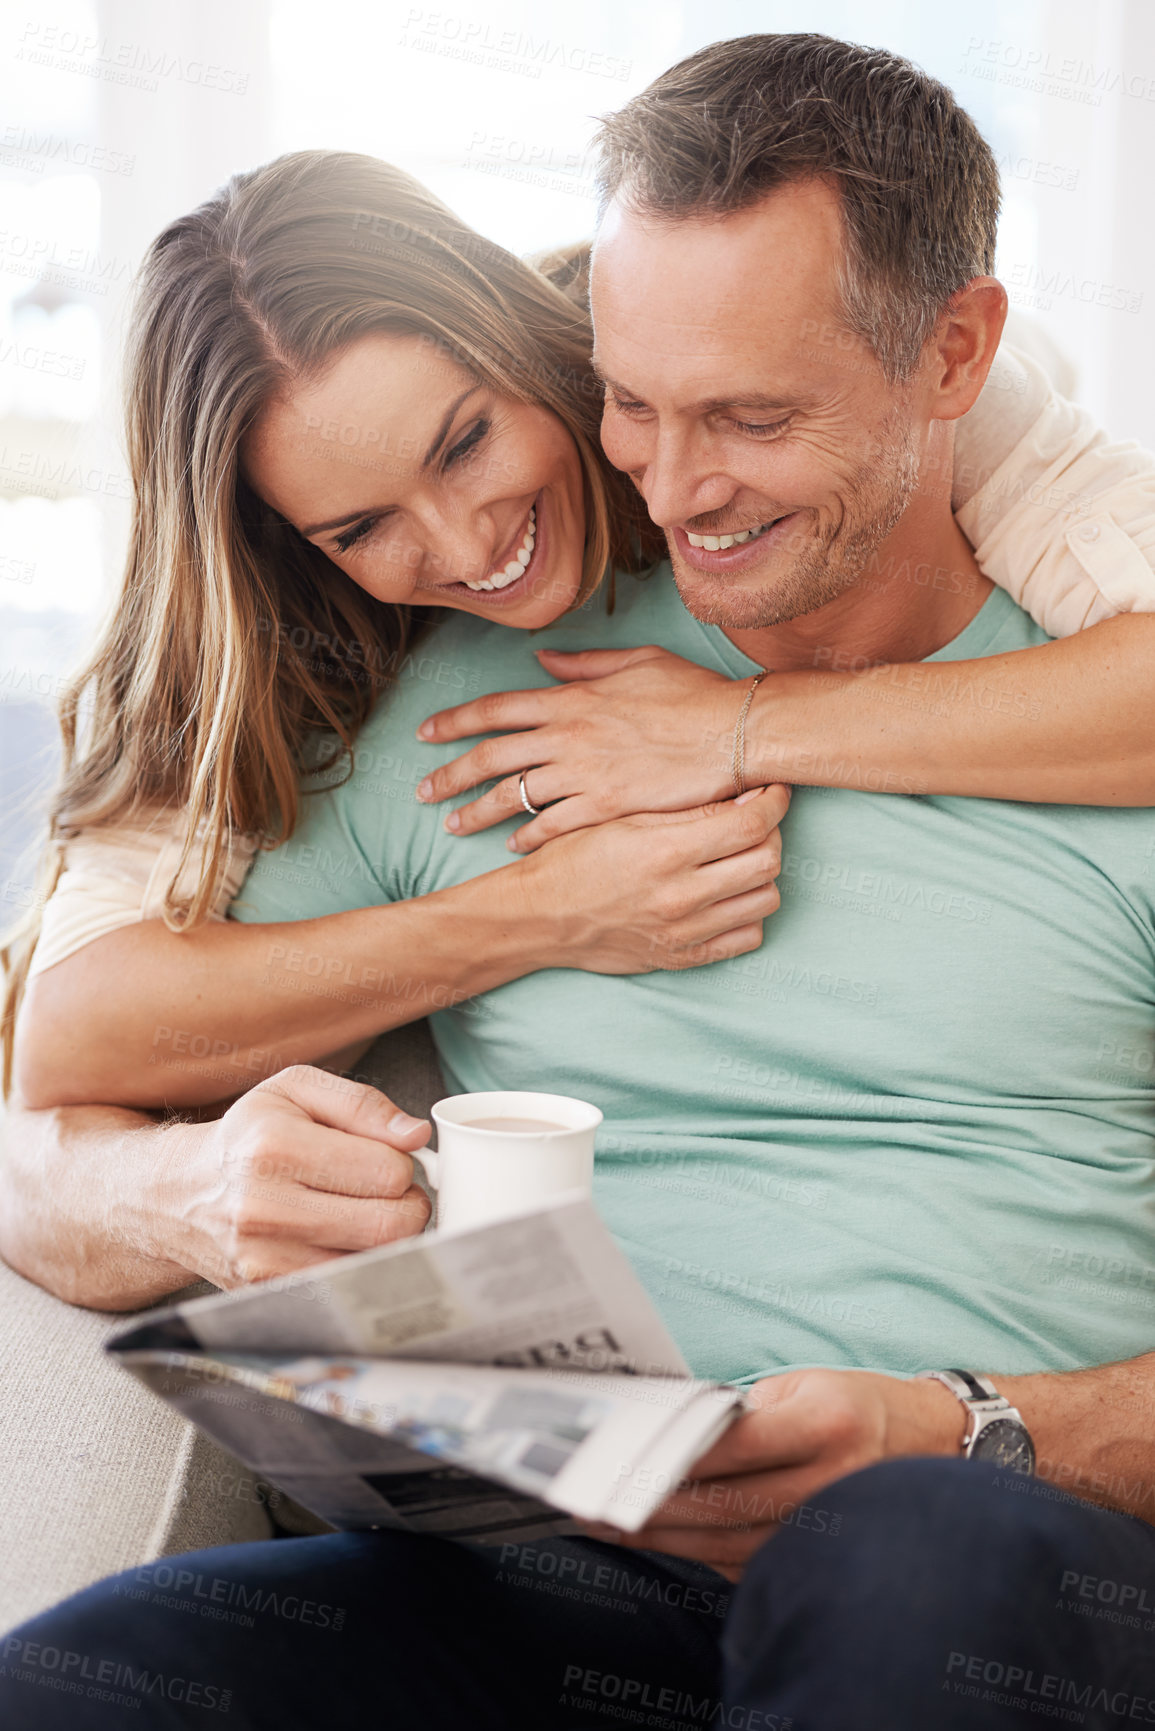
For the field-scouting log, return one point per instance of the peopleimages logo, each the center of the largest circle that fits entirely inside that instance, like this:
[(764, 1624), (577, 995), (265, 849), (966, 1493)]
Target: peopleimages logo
[(1001, 1684), (1036, 285), (586, 1689), (218, 1590), (622, 1584), (62, 1669), (1107, 1592), (1025, 67), (139, 65), (879, 891), (37, 148), (483, 44)]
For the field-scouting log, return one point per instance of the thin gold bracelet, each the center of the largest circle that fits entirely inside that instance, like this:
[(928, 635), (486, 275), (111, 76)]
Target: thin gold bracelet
[(738, 755)]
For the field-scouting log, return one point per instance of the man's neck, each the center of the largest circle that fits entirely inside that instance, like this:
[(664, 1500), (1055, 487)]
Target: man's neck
[(919, 590)]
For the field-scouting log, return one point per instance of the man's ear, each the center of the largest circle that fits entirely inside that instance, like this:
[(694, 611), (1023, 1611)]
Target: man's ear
[(964, 345)]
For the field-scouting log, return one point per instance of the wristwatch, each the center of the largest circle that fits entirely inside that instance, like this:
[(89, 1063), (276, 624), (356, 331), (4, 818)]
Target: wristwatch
[(996, 1431)]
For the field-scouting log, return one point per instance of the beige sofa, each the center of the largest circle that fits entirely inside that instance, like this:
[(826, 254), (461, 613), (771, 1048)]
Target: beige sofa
[(96, 1474)]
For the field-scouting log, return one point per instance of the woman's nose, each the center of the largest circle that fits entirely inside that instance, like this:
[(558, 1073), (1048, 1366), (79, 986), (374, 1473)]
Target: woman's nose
[(458, 549)]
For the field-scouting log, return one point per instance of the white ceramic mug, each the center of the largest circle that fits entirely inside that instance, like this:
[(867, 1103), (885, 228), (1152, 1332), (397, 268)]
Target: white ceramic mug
[(483, 1174)]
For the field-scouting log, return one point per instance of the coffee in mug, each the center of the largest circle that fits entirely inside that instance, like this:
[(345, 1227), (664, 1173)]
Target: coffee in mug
[(521, 1126), (501, 1153)]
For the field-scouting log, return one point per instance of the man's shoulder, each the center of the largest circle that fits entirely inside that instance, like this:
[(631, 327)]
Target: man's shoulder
[(457, 658), (463, 656), (1116, 842), (999, 626)]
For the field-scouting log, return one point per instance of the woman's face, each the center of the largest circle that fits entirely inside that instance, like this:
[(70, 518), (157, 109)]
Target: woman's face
[(425, 487)]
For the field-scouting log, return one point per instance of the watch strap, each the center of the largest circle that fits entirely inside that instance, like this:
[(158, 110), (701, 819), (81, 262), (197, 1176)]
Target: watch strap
[(962, 1384), (978, 1387)]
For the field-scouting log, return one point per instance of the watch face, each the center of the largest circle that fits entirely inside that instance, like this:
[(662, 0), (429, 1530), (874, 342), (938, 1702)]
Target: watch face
[(1006, 1444)]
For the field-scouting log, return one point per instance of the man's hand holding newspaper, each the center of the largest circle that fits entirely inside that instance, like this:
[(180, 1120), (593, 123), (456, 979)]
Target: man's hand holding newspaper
[(801, 1431)]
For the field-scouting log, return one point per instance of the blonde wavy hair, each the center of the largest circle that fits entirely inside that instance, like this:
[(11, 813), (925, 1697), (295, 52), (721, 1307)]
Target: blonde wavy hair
[(233, 639)]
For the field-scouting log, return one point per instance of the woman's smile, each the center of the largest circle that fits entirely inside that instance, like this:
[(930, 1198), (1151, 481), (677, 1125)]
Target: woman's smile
[(501, 589), (508, 572)]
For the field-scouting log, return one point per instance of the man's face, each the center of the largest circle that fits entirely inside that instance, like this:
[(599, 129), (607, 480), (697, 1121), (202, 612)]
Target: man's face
[(742, 407)]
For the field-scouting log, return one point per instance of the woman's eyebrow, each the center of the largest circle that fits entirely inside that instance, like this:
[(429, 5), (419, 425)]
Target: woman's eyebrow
[(440, 438)]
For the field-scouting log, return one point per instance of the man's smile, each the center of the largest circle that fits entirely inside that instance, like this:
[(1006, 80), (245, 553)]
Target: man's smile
[(735, 551)]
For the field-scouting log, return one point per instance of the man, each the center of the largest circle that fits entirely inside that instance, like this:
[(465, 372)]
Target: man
[(894, 1140)]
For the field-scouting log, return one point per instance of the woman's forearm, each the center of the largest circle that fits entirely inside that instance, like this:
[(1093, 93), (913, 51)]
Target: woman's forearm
[(1068, 722), (149, 1017), (146, 1017)]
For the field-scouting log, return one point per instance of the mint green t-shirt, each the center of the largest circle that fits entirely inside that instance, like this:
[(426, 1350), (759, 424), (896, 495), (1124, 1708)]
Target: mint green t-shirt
[(914, 1128)]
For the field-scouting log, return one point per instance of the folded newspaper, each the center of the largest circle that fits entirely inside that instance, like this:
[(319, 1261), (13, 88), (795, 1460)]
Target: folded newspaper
[(484, 1384)]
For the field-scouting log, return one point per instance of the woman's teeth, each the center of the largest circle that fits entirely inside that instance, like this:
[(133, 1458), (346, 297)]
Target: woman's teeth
[(517, 565), (719, 543)]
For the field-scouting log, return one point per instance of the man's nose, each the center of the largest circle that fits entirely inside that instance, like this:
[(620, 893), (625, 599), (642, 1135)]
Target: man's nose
[(680, 483)]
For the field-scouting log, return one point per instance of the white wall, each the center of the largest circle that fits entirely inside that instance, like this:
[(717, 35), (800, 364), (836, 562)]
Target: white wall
[(117, 114)]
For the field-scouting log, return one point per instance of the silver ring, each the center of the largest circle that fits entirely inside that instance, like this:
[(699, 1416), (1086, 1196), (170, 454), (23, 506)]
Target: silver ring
[(533, 810)]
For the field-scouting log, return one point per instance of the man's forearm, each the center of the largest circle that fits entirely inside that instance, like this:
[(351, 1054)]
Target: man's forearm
[(1094, 1430), (76, 1209)]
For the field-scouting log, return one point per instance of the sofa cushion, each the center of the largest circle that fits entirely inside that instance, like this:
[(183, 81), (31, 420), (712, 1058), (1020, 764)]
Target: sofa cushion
[(403, 1064)]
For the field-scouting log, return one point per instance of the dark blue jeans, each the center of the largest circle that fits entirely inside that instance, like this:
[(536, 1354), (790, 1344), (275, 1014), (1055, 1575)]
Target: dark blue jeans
[(915, 1595)]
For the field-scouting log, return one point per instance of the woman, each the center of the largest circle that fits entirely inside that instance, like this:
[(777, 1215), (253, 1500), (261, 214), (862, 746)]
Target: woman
[(238, 641), (241, 639)]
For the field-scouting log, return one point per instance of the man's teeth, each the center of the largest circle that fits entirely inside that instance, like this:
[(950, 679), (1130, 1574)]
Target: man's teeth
[(517, 565), (719, 543)]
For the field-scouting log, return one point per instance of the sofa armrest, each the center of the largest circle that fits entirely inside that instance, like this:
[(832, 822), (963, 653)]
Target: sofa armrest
[(97, 1474)]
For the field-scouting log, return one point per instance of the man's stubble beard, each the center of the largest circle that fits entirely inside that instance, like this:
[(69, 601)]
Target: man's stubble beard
[(875, 498)]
